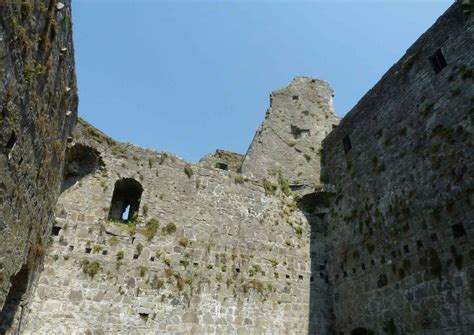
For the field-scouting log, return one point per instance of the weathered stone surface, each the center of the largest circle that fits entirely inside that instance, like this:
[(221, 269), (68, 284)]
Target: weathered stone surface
[(378, 241), (33, 132), (400, 225), (222, 251), (299, 117)]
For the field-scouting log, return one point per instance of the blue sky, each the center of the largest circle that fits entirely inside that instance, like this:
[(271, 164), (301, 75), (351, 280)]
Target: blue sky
[(189, 77)]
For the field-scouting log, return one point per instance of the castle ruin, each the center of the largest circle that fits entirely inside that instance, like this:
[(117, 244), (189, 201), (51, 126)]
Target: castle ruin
[(360, 225)]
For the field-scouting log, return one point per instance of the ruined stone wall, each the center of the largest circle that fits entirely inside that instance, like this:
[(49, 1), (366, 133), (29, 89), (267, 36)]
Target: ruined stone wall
[(299, 118), (400, 170), (212, 251), (224, 160), (38, 109)]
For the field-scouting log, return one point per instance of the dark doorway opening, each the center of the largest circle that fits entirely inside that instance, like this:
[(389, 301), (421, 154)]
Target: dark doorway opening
[(11, 314)]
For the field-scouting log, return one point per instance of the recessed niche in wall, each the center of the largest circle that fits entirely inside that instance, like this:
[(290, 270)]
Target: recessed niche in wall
[(346, 142), (438, 61), (458, 230)]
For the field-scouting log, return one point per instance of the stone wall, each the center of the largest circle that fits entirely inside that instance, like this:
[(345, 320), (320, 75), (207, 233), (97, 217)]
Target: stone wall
[(299, 118), (38, 110), (399, 172), (222, 159), (212, 251)]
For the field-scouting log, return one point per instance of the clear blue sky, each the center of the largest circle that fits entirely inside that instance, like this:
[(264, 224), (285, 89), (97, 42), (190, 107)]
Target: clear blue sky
[(189, 77)]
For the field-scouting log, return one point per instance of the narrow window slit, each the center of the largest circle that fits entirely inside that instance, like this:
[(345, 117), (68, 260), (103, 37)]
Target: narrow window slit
[(438, 61)]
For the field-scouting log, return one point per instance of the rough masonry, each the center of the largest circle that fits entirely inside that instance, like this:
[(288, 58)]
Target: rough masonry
[(38, 111), (325, 226)]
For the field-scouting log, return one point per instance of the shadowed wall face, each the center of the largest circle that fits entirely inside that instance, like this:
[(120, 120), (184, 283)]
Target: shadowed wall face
[(400, 165), (38, 111)]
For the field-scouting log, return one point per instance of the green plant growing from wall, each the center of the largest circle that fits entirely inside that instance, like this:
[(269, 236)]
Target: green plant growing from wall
[(184, 242), (90, 268), (409, 61), (143, 270), (169, 229), (239, 179), (97, 248), (285, 188), (188, 170), (139, 249), (119, 255), (298, 230), (113, 241), (269, 187), (151, 228)]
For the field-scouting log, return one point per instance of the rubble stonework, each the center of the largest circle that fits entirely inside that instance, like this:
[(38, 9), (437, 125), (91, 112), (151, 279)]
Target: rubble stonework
[(400, 215), (356, 226), (38, 111)]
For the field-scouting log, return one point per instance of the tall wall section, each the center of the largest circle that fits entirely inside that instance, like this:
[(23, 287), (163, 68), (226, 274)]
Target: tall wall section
[(400, 166), (211, 252), (299, 118), (38, 110)]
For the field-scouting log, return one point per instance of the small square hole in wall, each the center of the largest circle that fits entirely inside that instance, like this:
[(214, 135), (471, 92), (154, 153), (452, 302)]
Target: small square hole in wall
[(438, 61), (354, 270), (135, 256), (419, 244), (406, 249), (287, 276), (345, 274), (300, 277), (71, 248), (152, 259), (311, 279), (346, 142), (458, 230), (196, 264), (88, 250), (434, 237), (372, 262), (56, 230), (362, 266), (321, 275), (237, 270), (295, 97), (104, 252)]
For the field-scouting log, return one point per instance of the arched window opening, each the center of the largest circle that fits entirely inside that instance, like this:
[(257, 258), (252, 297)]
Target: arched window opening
[(125, 200), (81, 160), (11, 314)]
